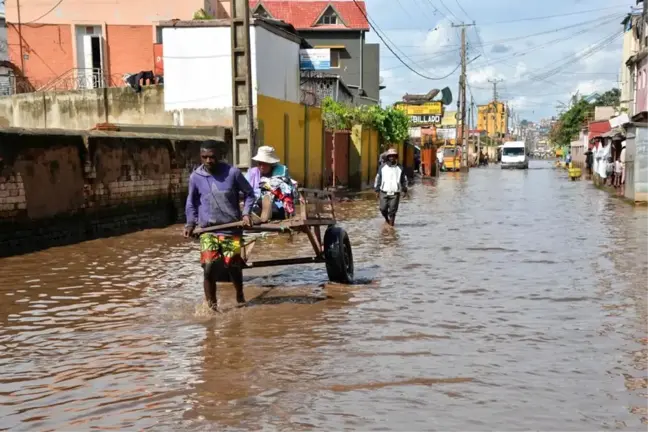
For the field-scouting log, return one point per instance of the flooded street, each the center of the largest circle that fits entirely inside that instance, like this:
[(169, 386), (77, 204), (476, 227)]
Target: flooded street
[(506, 300)]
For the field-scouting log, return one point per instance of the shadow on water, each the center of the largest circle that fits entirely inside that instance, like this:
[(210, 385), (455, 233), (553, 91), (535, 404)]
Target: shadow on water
[(498, 296)]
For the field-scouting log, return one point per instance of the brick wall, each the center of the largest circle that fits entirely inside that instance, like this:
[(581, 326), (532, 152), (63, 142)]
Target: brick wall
[(59, 188), (47, 48), (130, 48)]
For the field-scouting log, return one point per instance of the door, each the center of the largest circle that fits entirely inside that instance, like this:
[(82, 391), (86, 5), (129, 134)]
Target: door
[(92, 61)]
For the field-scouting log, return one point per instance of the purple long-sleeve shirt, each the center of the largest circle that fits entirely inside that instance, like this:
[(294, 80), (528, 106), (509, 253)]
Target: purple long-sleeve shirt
[(214, 197)]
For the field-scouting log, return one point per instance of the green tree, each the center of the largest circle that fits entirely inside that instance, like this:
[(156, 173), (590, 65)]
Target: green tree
[(609, 98), (570, 123), (391, 124)]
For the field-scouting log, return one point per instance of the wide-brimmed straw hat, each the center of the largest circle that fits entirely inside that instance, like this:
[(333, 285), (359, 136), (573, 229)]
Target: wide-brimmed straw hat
[(266, 154)]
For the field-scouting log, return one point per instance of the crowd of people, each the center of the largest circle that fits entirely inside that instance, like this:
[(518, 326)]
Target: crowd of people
[(605, 161)]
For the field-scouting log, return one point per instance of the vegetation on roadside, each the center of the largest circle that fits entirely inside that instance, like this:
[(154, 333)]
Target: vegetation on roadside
[(580, 110), (392, 124), (202, 14)]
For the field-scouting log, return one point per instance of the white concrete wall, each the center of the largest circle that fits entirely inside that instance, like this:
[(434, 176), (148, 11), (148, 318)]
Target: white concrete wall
[(278, 61), (198, 70)]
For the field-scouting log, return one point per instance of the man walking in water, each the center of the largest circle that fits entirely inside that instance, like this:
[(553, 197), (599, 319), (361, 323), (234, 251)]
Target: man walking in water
[(213, 199), (390, 182)]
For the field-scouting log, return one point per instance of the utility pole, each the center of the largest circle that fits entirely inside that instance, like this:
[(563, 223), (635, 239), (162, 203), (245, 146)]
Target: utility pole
[(462, 94), (242, 112), (494, 104)]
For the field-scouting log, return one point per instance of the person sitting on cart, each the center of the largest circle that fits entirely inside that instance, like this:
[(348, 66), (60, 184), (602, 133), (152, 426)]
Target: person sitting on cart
[(390, 182), (214, 190), (274, 190)]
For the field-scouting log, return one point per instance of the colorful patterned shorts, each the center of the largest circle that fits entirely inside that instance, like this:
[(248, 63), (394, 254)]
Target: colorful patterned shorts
[(218, 247)]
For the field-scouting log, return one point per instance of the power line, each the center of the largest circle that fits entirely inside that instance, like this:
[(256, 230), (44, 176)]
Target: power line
[(533, 18), (548, 43), (463, 10), (599, 20), (449, 10), (393, 52), (45, 14), (550, 16)]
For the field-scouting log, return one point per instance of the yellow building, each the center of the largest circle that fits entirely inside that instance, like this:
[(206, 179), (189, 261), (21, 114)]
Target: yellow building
[(493, 118), (449, 119)]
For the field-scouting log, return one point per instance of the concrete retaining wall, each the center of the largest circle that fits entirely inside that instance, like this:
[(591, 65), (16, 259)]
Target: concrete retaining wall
[(83, 109), (61, 187)]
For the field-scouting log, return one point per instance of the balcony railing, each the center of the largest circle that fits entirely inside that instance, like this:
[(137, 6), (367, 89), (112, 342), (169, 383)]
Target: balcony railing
[(73, 79), (82, 79)]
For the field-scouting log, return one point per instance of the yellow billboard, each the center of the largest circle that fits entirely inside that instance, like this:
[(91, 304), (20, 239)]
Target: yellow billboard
[(428, 108)]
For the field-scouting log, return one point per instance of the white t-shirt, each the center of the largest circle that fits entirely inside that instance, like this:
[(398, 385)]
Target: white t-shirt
[(390, 179)]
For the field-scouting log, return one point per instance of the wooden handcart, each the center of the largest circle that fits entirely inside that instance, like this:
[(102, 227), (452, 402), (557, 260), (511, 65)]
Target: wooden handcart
[(315, 217)]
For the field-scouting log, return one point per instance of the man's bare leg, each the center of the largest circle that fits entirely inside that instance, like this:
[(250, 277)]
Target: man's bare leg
[(209, 285), (236, 274)]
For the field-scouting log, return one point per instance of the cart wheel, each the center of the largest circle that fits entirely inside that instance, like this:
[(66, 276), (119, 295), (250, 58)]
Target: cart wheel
[(338, 254)]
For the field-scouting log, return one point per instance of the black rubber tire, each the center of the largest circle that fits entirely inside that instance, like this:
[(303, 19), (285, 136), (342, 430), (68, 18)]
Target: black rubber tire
[(338, 255)]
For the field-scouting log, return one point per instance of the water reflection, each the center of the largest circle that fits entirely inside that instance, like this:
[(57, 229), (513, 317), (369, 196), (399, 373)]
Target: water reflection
[(501, 298)]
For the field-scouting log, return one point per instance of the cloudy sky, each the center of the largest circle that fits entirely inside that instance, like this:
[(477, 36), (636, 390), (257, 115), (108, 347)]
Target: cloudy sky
[(542, 50)]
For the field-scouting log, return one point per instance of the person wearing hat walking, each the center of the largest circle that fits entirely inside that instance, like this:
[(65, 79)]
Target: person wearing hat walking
[(273, 188), (390, 183)]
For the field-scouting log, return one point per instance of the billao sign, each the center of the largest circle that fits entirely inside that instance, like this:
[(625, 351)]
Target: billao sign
[(315, 59)]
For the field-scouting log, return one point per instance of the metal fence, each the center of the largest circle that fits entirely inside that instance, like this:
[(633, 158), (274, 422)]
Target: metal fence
[(73, 79)]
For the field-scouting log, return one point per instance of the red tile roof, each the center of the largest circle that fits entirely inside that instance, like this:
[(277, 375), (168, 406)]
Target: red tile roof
[(303, 14), (598, 128)]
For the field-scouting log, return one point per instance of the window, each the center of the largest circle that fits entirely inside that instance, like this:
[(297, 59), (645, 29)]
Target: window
[(335, 58), (329, 18), (513, 151), (449, 152), (158, 35)]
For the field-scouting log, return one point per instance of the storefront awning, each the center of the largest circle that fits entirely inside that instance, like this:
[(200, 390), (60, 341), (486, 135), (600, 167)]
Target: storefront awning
[(615, 133)]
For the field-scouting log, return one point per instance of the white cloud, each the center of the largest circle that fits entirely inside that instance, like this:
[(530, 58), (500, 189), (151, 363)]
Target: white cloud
[(592, 86), (507, 51)]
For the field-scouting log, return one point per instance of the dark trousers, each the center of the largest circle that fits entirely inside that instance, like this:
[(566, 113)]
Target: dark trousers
[(389, 205)]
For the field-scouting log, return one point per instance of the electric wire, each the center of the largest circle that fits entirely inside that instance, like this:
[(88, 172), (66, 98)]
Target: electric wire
[(44, 15), (393, 52)]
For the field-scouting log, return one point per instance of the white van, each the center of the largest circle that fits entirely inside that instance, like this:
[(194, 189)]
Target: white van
[(514, 155)]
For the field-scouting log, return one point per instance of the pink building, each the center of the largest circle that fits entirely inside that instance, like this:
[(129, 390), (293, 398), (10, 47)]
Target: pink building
[(90, 43)]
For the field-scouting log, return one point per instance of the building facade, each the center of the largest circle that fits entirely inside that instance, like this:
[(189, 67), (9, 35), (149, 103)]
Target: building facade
[(630, 48), (5, 82), (340, 26), (493, 118), (85, 44)]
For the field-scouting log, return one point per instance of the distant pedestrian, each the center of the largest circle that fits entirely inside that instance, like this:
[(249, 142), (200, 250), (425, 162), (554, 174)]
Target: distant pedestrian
[(390, 183), (618, 172), (622, 159), (609, 171), (589, 161)]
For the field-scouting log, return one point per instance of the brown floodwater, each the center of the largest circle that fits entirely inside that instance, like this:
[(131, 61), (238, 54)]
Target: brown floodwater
[(503, 300)]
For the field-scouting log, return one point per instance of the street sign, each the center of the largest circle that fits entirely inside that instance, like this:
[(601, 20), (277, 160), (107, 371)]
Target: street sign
[(429, 119), (428, 108), (315, 59)]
